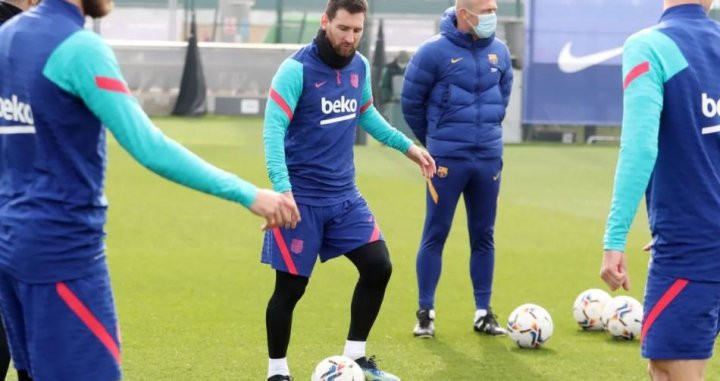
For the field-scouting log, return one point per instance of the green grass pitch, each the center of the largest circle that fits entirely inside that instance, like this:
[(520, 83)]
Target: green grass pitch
[(191, 293)]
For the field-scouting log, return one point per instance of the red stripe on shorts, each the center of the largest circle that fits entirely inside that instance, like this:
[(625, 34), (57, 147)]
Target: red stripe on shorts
[(285, 252), (664, 301), (375, 234), (88, 319)]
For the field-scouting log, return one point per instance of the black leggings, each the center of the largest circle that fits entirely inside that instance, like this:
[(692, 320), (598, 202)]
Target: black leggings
[(373, 264), (4, 352)]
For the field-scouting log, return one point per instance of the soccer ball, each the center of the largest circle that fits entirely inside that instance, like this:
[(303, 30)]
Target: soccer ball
[(588, 308), (338, 368), (530, 326), (622, 317)]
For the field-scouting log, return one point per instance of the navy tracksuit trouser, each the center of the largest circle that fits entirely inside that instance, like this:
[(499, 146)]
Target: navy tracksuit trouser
[(478, 180)]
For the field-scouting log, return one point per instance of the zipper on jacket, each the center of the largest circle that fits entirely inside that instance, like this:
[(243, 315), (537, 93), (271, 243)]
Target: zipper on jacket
[(339, 79), (478, 73)]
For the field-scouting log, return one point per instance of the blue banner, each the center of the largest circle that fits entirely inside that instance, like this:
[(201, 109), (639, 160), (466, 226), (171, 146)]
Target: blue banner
[(573, 57)]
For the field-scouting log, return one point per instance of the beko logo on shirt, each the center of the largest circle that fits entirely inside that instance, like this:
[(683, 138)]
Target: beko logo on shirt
[(15, 111), (341, 105), (710, 106), (711, 109)]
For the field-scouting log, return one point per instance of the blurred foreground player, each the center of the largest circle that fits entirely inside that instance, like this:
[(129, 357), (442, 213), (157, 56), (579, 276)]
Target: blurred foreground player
[(59, 85), (8, 9), (670, 150)]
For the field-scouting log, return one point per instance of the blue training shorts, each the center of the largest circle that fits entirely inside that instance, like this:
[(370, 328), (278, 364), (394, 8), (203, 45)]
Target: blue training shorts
[(65, 331), (324, 231), (681, 318)]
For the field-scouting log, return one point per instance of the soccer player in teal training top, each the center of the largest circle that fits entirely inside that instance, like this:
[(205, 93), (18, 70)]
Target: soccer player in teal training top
[(60, 85), (670, 150), (317, 98)]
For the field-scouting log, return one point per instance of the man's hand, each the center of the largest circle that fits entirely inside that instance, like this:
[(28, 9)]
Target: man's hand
[(423, 159), (277, 209), (648, 247), (614, 270), (295, 217)]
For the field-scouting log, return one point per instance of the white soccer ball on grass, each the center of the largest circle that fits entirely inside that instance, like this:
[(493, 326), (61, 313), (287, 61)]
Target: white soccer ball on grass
[(338, 368), (530, 326), (622, 317), (588, 308)]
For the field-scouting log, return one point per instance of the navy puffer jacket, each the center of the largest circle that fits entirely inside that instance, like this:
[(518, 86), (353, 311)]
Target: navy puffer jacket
[(455, 93)]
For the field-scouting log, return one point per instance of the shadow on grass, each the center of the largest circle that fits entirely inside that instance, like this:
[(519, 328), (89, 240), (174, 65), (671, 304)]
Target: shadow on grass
[(605, 337), (495, 362), (615, 341)]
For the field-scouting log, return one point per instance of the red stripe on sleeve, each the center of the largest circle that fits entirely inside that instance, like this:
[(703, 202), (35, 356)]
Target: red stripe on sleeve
[(112, 84), (366, 106), (636, 72), (281, 102)]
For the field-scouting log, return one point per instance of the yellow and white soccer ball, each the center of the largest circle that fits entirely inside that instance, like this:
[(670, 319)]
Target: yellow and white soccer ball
[(588, 309), (338, 368), (530, 326), (622, 317)]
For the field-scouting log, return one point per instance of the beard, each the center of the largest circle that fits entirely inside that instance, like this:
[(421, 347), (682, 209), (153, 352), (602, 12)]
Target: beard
[(97, 8), (342, 49), (345, 50)]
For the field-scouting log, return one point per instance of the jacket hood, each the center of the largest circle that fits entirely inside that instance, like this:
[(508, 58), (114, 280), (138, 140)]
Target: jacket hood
[(448, 28)]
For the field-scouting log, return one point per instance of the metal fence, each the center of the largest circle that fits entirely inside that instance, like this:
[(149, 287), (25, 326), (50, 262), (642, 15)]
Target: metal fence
[(429, 7), (238, 77), (269, 21)]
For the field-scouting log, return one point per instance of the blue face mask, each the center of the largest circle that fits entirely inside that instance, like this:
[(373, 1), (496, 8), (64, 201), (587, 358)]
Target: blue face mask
[(486, 25)]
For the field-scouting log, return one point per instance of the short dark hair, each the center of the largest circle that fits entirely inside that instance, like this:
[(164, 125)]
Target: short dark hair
[(352, 6)]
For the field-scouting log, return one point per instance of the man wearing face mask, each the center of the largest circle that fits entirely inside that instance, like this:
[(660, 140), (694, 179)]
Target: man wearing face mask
[(317, 99), (669, 152), (60, 87), (456, 90)]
